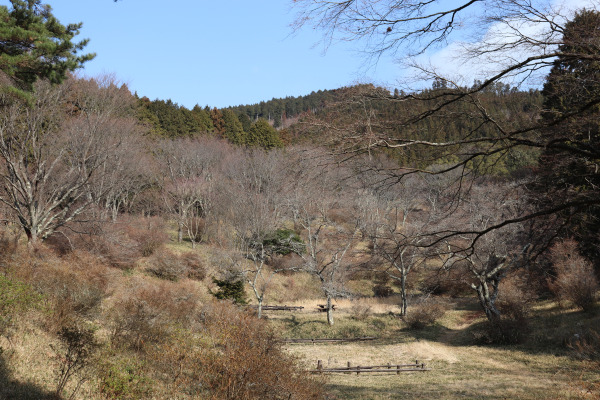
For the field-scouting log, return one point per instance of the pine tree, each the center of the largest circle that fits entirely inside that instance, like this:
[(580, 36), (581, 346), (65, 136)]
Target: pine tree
[(34, 45)]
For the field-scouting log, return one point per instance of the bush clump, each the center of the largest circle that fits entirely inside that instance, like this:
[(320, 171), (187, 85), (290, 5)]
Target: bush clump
[(230, 290), (575, 279), (246, 361), (424, 314), (166, 265)]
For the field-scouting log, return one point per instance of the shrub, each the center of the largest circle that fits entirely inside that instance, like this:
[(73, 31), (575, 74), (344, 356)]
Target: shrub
[(245, 361), (78, 346), (360, 312), (585, 345), (424, 314), (575, 279), (196, 267), (149, 233), (75, 286), (230, 289), (8, 243), (283, 242), (514, 299), (382, 290), (166, 265), (150, 314), (123, 377)]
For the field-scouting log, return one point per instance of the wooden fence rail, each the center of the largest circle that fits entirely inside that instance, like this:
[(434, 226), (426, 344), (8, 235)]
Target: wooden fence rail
[(361, 339), (279, 308), (397, 368)]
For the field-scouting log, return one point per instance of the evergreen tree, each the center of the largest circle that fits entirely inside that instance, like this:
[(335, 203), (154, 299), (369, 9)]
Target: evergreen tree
[(203, 118), (264, 135), (233, 128), (217, 119), (33, 44), (245, 121), (570, 164)]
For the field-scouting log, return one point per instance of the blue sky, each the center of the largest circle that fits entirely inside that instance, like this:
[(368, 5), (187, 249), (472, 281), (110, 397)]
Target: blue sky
[(216, 53), (229, 52)]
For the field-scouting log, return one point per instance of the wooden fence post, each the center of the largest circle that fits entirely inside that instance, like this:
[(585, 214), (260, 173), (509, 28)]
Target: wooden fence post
[(320, 366)]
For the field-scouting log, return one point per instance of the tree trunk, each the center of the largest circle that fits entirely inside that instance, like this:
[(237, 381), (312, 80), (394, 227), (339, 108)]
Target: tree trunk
[(259, 309), (487, 302), (403, 294), (179, 232), (329, 311)]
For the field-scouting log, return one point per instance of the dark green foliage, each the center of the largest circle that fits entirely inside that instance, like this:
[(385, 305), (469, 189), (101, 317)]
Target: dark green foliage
[(202, 118), (262, 134), (34, 45), (230, 289), (278, 110), (166, 118), (283, 242), (569, 164), (234, 131), (245, 121), (363, 110)]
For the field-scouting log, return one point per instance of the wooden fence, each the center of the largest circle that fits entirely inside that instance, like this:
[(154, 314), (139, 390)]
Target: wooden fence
[(278, 308), (361, 339), (387, 368)]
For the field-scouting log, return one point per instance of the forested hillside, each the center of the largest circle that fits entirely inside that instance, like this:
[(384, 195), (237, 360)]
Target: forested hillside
[(308, 119)]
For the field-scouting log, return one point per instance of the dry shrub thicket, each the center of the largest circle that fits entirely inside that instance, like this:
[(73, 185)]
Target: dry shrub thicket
[(424, 312), (514, 303), (119, 244), (129, 336), (575, 279)]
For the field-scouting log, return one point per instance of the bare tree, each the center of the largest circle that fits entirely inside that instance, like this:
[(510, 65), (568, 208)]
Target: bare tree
[(316, 191), (494, 255), (254, 186), (52, 148), (128, 171), (190, 165)]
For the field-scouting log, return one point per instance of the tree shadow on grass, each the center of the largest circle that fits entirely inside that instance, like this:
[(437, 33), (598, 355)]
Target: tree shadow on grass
[(14, 390), (546, 331)]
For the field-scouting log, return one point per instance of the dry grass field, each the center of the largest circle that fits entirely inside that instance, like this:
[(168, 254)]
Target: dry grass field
[(541, 368)]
